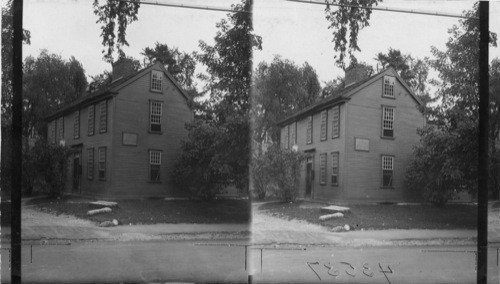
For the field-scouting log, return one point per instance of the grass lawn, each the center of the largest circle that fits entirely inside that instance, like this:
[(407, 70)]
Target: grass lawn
[(153, 211), (379, 217)]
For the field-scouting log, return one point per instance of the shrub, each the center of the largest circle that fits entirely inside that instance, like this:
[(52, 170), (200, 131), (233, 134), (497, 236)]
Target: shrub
[(45, 168), (277, 171)]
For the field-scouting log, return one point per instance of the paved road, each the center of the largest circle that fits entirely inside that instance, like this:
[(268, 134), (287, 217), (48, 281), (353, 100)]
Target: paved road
[(401, 265), (224, 261)]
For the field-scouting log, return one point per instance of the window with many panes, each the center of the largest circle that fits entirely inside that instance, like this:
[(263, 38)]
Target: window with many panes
[(286, 137), (322, 168), (336, 122), (389, 83), (156, 80), (387, 121), (60, 128), (293, 134), (387, 171), (90, 163), (103, 116), (309, 130), (76, 125), (154, 165), (324, 115), (52, 131), (91, 120), (102, 163), (155, 116), (335, 168)]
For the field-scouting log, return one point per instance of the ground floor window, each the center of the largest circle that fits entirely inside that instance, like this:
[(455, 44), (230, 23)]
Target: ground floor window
[(387, 171), (90, 163), (322, 168), (335, 168), (154, 165), (102, 163)]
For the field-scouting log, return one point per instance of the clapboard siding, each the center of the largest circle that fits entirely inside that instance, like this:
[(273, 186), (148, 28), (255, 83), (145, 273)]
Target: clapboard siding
[(131, 172), (360, 172), (364, 120)]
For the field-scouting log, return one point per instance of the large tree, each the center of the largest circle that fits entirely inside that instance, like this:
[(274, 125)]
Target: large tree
[(180, 65), (280, 89), (49, 82), (217, 151), (456, 118)]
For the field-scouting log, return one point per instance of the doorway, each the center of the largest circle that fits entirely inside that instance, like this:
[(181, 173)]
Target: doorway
[(309, 177), (77, 170)]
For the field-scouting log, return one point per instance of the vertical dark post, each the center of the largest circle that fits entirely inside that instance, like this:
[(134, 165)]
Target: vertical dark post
[(17, 87), (482, 216), (246, 257)]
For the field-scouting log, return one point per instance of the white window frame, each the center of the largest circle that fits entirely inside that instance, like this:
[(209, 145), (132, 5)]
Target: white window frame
[(101, 167), (90, 163), (336, 122), (155, 113), (76, 125), (103, 116), (388, 118), (389, 87), (335, 168), (309, 130), (91, 120), (154, 160), (387, 166), (322, 168), (324, 125), (156, 80)]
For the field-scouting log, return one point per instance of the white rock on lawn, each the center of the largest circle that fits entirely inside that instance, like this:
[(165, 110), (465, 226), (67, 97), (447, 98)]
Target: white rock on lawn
[(331, 216), (97, 211)]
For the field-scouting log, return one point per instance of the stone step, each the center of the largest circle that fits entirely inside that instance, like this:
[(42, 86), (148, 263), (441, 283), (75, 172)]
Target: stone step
[(335, 209), (102, 203)]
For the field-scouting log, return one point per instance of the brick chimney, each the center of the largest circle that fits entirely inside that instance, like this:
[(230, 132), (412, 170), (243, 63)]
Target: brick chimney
[(122, 68), (355, 73)]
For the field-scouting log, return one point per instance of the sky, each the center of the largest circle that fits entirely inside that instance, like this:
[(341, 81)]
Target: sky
[(295, 31)]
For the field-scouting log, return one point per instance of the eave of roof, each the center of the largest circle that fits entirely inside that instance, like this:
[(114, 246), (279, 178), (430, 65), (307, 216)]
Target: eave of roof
[(344, 95), (109, 91)]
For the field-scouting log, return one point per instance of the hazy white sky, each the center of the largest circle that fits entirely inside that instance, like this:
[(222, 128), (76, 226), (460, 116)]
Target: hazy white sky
[(295, 31)]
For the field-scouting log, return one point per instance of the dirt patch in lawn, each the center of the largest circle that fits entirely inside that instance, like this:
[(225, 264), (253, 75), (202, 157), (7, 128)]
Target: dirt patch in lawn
[(154, 211), (379, 217)]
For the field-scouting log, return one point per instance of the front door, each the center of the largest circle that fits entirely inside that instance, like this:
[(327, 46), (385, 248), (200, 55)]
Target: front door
[(77, 171), (309, 177)]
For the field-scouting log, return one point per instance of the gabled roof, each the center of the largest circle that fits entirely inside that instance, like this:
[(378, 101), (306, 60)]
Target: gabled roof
[(112, 89), (345, 94)]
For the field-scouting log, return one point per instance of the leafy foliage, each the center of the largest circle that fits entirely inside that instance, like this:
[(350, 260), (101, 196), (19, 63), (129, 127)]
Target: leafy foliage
[(115, 15), (45, 168), (280, 89), (445, 162), (345, 23), (49, 82), (217, 150), (277, 172), (447, 159), (179, 64)]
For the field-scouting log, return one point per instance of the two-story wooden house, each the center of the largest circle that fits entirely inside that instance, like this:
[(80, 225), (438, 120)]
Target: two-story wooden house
[(358, 141), (126, 137)]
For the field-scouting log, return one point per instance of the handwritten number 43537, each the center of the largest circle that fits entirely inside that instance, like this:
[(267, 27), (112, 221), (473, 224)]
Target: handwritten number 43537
[(349, 270)]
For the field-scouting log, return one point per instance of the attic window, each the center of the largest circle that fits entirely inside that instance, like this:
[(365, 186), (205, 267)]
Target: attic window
[(389, 82), (156, 77)]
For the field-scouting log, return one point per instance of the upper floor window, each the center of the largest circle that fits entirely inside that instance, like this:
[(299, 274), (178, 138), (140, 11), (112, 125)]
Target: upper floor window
[(52, 131), (309, 130), (103, 116), (336, 122), (286, 137), (322, 168), (155, 116), (335, 168), (387, 170), (76, 125), (102, 163), (293, 133), (324, 115), (387, 121), (389, 82), (91, 123), (154, 165), (60, 128), (156, 80)]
